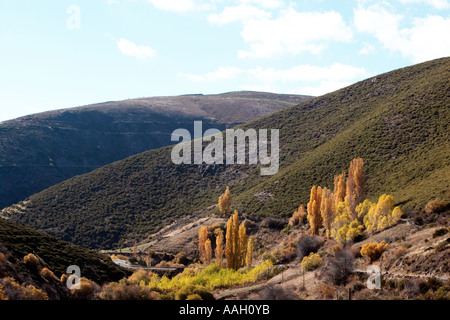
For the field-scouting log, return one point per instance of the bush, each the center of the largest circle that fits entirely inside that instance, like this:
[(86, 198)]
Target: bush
[(187, 291), (374, 250), (48, 275), (338, 267), (32, 262), (14, 291), (440, 232), (87, 290), (118, 291), (277, 292), (441, 246), (311, 262), (399, 252), (307, 245), (437, 206), (140, 275)]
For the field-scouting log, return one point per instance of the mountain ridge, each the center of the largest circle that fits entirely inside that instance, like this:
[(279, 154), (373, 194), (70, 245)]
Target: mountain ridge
[(397, 122), (40, 150)]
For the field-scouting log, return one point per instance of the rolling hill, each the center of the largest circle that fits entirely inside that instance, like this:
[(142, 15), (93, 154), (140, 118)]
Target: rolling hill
[(40, 150), (17, 241), (397, 122)]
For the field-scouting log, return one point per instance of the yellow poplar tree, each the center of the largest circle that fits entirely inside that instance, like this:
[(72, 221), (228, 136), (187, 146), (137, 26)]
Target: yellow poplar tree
[(313, 208), (249, 253), (355, 185), (326, 210), (208, 251), (236, 241), (219, 247), (225, 202), (202, 238), (339, 189), (242, 245), (229, 250)]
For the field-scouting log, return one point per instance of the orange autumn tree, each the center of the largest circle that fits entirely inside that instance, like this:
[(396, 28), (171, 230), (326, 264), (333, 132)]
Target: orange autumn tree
[(327, 210), (374, 250), (202, 238), (297, 216), (219, 247), (355, 185), (225, 202), (339, 189), (208, 252), (236, 242), (313, 207)]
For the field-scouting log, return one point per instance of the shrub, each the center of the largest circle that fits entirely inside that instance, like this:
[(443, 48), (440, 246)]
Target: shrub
[(140, 275), (325, 292), (399, 252), (311, 262), (2, 294), (338, 267), (120, 291), (307, 245), (374, 250), (186, 291), (32, 262), (440, 232), (277, 292), (437, 206), (194, 297), (441, 246), (87, 290), (48, 275), (3, 265), (14, 291)]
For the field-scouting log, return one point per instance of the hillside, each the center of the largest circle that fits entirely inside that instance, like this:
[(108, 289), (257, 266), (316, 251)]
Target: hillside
[(16, 242), (40, 150), (397, 122)]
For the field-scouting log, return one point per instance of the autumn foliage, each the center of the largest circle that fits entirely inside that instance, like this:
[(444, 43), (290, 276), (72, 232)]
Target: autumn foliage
[(225, 202), (374, 250)]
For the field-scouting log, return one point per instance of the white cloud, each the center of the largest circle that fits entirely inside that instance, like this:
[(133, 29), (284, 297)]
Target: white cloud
[(324, 87), (110, 2), (182, 5), (222, 73), (313, 80), (367, 48), (130, 49), (336, 72), (438, 4), (237, 13), (425, 39), (269, 4), (294, 32)]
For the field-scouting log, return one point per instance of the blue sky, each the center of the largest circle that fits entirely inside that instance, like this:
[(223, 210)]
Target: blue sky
[(58, 54)]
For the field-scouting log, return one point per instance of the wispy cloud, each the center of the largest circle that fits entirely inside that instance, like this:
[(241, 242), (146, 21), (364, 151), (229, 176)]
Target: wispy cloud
[(438, 4), (308, 79), (423, 39), (238, 13), (129, 48), (293, 32), (222, 73)]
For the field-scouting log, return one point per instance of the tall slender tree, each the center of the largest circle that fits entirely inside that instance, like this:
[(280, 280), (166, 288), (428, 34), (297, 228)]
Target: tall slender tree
[(225, 202), (219, 247), (355, 185), (202, 238), (327, 210), (313, 208)]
